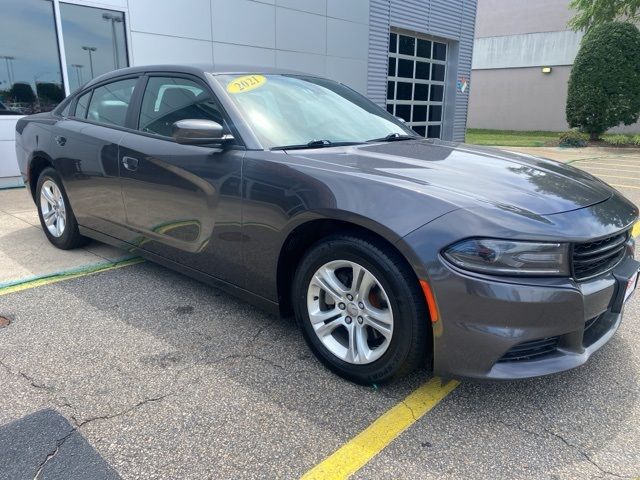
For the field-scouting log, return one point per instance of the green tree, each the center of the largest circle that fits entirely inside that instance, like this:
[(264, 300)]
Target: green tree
[(604, 87), (590, 13)]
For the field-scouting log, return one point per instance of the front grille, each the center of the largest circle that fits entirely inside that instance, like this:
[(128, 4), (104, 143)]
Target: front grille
[(531, 350), (594, 258)]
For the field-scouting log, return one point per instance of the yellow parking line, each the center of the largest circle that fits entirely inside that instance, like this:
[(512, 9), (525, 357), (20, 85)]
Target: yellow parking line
[(635, 231), (357, 452), (68, 275)]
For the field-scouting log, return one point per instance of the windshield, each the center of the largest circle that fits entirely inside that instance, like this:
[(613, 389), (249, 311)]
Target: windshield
[(287, 110)]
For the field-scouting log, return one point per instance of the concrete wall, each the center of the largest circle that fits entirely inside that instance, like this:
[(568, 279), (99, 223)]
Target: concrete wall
[(519, 99), (526, 50), (513, 17)]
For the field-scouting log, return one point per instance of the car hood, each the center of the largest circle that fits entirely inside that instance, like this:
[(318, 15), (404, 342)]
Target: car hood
[(468, 176)]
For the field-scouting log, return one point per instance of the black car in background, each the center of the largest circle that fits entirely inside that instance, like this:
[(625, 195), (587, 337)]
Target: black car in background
[(300, 195)]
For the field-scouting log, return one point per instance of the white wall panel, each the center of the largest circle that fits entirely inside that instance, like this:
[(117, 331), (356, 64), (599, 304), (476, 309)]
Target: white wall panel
[(7, 128), (312, 6), (155, 49), (352, 10), (8, 163), (300, 31), (244, 22), (348, 71), (302, 62), (347, 39), (186, 18), (228, 54)]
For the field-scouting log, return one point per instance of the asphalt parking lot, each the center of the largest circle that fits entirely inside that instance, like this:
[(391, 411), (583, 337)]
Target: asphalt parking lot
[(139, 372)]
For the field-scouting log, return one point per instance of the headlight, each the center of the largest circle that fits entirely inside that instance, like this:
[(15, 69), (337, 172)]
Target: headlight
[(507, 257)]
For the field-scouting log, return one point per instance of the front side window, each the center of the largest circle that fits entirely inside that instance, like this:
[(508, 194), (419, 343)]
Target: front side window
[(295, 110), (109, 103), (167, 100), (30, 73), (94, 42), (83, 105)]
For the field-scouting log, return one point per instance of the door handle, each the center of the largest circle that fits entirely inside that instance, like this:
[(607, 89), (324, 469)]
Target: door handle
[(130, 163), (60, 140)]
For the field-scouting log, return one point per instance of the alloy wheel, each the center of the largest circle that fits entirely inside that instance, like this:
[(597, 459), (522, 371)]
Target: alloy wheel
[(350, 312), (52, 207)]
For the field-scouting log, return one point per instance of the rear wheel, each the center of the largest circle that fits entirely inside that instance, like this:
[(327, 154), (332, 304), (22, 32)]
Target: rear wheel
[(56, 216), (361, 310)]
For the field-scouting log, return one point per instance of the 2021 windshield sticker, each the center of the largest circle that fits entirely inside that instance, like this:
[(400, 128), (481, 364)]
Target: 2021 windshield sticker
[(246, 83)]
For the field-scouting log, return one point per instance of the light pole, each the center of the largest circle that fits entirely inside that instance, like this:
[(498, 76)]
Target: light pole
[(109, 17), (77, 67), (8, 59), (90, 50)]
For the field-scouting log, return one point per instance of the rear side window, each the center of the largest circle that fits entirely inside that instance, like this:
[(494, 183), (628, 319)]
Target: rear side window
[(110, 102), (168, 99), (82, 105)]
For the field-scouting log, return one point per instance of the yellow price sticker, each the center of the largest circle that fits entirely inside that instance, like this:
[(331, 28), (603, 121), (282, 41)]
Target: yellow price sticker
[(246, 83)]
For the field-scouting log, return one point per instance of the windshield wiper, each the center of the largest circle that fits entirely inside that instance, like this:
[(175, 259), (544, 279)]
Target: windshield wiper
[(393, 137), (314, 144)]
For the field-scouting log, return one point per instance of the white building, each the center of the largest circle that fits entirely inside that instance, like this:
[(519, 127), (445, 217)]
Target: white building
[(412, 55)]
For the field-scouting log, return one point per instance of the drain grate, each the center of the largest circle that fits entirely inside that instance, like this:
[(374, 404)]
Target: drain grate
[(4, 322)]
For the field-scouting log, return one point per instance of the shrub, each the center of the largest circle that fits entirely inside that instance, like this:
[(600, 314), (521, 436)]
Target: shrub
[(604, 87), (636, 140), (573, 139), (617, 140)]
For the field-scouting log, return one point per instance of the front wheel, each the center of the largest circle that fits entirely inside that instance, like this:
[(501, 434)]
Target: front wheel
[(361, 309), (56, 217)]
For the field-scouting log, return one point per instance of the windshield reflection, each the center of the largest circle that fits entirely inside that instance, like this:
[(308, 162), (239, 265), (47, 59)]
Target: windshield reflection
[(285, 110)]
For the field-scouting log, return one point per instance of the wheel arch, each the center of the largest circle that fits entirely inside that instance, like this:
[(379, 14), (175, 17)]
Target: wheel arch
[(38, 163), (305, 234)]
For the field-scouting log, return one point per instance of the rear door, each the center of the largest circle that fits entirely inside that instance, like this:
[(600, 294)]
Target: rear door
[(85, 150), (182, 202)]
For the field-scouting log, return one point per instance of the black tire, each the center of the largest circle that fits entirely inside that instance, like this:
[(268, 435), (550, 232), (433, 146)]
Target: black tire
[(410, 344), (70, 237)]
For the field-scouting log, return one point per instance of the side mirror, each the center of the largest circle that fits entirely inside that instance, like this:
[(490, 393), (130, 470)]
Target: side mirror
[(199, 132)]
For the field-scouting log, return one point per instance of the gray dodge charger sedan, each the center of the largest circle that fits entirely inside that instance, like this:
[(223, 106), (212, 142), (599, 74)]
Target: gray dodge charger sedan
[(300, 195)]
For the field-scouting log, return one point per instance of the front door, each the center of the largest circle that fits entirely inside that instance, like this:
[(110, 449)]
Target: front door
[(182, 202)]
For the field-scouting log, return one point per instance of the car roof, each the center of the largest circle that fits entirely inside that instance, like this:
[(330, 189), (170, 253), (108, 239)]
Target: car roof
[(196, 69)]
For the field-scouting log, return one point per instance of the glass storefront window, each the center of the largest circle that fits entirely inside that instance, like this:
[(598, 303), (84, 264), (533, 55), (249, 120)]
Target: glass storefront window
[(94, 42), (30, 73)]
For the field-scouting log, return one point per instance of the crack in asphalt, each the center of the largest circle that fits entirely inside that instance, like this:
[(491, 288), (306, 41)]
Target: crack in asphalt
[(566, 443), (55, 451), (410, 409), (28, 378), (251, 347), (77, 423), (80, 424)]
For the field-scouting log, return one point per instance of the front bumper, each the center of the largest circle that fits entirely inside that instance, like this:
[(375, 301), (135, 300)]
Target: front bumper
[(511, 328), (511, 331)]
